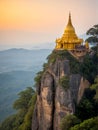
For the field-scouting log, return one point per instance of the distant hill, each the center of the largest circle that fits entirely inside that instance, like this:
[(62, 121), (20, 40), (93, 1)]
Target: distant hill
[(18, 68), (22, 59)]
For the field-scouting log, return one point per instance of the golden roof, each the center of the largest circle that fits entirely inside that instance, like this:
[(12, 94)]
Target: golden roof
[(69, 35)]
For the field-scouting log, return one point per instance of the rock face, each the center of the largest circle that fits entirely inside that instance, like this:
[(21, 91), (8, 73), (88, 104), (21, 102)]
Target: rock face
[(53, 100)]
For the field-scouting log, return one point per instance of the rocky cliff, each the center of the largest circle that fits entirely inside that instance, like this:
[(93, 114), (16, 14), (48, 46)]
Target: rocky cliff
[(58, 92)]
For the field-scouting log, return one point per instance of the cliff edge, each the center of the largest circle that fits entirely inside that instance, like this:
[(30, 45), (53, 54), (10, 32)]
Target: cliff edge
[(60, 88)]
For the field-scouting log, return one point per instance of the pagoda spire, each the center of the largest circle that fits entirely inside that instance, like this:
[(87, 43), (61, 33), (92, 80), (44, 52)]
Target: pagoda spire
[(69, 20)]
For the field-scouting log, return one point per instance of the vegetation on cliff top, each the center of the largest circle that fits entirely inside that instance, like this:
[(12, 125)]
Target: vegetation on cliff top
[(64, 54)]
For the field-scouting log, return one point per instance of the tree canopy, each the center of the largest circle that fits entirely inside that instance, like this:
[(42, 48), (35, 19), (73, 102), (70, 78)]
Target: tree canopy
[(23, 118), (93, 34), (24, 98)]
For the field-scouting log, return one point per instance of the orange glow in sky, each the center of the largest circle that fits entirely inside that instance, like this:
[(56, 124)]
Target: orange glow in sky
[(46, 19)]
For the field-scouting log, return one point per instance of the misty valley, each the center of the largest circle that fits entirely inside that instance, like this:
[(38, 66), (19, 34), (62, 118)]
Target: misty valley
[(18, 68)]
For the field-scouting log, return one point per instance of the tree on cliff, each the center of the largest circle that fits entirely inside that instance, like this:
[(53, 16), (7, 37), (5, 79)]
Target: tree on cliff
[(24, 97), (68, 121), (93, 33), (23, 118), (89, 124)]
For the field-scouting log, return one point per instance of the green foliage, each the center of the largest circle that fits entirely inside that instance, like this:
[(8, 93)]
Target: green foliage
[(60, 54), (24, 98), (26, 125), (68, 121), (45, 66), (84, 109), (95, 57), (74, 66), (13, 122), (25, 106), (64, 54), (96, 80), (37, 79), (19, 119), (8, 123), (95, 48), (87, 107), (64, 82), (90, 124), (95, 87), (93, 32), (88, 68)]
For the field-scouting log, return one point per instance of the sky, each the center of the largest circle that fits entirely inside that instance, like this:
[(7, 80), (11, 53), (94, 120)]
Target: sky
[(37, 23)]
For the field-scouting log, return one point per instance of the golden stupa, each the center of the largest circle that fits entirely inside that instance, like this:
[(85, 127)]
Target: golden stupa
[(69, 40)]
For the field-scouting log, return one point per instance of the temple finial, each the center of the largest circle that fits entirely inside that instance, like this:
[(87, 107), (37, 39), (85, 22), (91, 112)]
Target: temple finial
[(69, 21), (69, 14)]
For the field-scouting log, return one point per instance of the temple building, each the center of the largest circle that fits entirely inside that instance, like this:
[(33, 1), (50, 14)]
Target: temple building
[(69, 40)]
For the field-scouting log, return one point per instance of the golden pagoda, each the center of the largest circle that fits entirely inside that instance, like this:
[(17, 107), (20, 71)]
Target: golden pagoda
[(69, 40)]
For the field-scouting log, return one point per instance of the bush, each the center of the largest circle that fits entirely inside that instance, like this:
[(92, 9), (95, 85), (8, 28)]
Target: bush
[(26, 125), (64, 82), (85, 109), (88, 107), (59, 54), (68, 121), (90, 124), (8, 123), (88, 68), (64, 54), (24, 98), (95, 87)]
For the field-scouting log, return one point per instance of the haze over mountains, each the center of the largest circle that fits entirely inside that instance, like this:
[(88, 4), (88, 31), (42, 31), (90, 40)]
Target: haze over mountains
[(9, 40), (18, 68), (21, 59)]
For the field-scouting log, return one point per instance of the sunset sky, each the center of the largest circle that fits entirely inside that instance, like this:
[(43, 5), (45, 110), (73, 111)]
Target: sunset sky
[(29, 23)]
